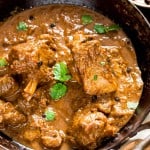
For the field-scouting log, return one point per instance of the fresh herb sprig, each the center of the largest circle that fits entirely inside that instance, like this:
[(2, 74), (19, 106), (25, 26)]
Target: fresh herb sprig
[(86, 19), (57, 91), (49, 114), (99, 28), (3, 62), (22, 26), (60, 72), (95, 77)]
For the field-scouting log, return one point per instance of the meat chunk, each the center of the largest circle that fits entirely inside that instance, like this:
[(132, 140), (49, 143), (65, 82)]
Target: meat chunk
[(51, 134), (9, 89), (32, 60), (29, 56), (96, 121), (120, 114), (31, 134), (104, 104), (88, 56), (27, 107), (88, 127), (10, 115), (100, 85), (24, 66), (51, 138), (40, 99), (37, 50)]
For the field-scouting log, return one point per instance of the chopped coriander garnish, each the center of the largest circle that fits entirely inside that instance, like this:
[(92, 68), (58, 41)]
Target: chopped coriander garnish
[(103, 63), (86, 19), (60, 72), (3, 62), (132, 105), (49, 114), (22, 26), (113, 27), (99, 28), (58, 90), (95, 77)]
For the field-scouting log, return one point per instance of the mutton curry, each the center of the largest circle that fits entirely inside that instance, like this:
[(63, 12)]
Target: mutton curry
[(68, 78)]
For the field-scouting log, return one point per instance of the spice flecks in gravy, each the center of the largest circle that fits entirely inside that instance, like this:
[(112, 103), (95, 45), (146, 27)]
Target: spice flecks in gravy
[(68, 78)]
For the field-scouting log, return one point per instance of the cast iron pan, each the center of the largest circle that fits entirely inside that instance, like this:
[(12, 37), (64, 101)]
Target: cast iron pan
[(138, 30)]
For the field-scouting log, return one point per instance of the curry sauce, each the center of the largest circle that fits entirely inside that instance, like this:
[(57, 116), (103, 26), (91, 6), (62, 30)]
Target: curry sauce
[(68, 78)]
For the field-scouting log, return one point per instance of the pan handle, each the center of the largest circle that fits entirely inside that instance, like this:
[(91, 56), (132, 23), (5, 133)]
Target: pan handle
[(141, 127), (143, 144)]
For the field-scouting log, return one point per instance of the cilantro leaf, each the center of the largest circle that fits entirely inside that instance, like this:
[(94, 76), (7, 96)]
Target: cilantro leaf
[(86, 19), (113, 27), (3, 62), (60, 72), (95, 77), (49, 114), (58, 90), (99, 28), (22, 26)]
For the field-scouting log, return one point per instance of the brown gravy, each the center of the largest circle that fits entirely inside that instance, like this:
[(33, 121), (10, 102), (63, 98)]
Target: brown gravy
[(102, 84)]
